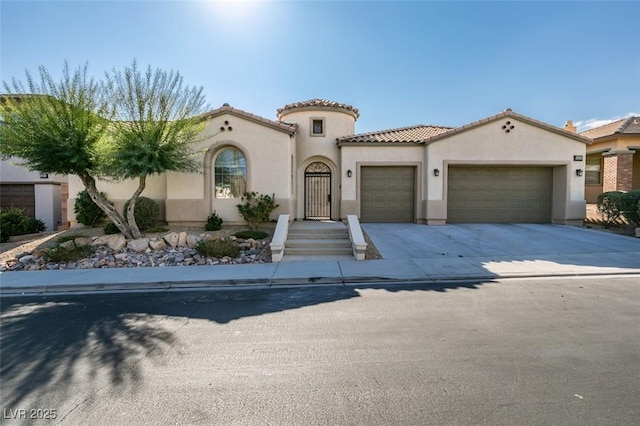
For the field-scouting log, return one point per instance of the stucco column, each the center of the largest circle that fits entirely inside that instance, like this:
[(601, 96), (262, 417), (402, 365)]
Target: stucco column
[(617, 173)]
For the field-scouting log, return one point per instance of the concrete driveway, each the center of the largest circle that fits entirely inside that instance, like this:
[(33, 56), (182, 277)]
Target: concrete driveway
[(514, 241)]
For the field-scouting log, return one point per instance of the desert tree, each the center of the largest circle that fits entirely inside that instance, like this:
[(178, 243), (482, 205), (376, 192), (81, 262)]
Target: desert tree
[(155, 129), (59, 126), (130, 126)]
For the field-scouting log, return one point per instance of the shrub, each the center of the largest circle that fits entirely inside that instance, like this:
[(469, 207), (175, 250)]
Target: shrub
[(146, 213), (608, 206), (111, 228), (87, 212), (214, 222), (217, 248), (630, 206), (13, 221), (256, 235), (256, 208), (70, 253)]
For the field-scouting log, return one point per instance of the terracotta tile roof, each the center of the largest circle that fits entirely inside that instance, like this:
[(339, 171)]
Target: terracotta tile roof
[(629, 125), (318, 103), (227, 109), (411, 134), (506, 114)]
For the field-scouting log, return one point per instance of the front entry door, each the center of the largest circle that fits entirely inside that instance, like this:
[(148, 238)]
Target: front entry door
[(317, 191)]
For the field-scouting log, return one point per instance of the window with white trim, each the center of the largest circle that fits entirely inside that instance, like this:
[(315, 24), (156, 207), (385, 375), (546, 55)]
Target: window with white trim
[(230, 173)]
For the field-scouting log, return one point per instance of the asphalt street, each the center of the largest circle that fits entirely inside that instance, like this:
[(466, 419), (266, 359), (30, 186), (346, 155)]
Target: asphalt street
[(519, 351)]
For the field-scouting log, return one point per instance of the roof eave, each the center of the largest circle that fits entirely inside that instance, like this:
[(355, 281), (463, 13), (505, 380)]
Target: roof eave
[(287, 128), (509, 114)]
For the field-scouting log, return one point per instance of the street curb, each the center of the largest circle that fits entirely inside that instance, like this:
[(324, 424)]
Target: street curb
[(51, 290)]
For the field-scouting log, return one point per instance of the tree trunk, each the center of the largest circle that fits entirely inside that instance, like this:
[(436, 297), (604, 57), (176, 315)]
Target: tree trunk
[(90, 185), (131, 219)]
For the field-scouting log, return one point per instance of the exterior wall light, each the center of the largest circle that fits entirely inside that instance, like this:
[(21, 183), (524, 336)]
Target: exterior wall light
[(349, 173), (579, 172), (436, 172)]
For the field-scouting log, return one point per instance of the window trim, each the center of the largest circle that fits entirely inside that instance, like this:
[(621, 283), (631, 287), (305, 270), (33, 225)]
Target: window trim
[(587, 171), (245, 174), (324, 126)]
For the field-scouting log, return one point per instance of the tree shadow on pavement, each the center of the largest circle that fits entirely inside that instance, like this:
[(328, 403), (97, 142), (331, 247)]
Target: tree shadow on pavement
[(48, 344)]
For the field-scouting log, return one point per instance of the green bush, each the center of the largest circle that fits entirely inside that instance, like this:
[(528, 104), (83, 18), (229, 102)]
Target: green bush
[(608, 206), (218, 248), (630, 206), (13, 221), (256, 235), (146, 213), (111, 228), (87, 212), (256, 208), (67, 254), (214, 222)]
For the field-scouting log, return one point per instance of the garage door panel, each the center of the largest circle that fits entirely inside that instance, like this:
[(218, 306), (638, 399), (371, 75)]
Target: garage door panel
[(21, 196), (387, 194), (499, 194)]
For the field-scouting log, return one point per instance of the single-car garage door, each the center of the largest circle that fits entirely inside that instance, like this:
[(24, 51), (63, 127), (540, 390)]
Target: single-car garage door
[(387, 194), (21, 196), (499, 194)]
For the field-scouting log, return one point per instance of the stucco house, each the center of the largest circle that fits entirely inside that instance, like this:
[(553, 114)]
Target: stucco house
[(503, 168), (613, 161), (39, 195)]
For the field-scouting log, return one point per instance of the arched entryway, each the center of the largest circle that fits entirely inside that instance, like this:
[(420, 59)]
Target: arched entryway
[(317, 191)]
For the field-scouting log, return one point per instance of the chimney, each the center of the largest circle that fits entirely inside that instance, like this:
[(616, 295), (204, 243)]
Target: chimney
[(569, 127)]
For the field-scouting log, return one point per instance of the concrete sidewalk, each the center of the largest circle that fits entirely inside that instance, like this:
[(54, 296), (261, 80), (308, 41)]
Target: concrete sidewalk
[(317, 272)]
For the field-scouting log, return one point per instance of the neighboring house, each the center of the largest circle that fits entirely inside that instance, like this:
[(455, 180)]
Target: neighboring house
[(39, 195), (613, 160), (504, 168)]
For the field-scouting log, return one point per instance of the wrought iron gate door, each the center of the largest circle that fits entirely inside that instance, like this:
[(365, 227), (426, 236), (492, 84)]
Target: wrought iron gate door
[(317, 192)]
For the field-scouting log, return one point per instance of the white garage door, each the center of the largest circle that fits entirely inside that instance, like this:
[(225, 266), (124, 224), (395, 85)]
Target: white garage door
[(499, 194)]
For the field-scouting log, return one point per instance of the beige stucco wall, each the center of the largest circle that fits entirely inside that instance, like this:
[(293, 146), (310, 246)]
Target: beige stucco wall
[(310, 148), (355, 157), (118, 192), (267, 151), (526, 144)]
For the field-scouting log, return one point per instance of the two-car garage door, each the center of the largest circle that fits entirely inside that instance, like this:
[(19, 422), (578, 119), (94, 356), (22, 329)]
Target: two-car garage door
[(499, 194)]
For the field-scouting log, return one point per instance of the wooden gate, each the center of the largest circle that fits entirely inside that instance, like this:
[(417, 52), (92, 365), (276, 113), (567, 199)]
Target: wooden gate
[(317, 192)]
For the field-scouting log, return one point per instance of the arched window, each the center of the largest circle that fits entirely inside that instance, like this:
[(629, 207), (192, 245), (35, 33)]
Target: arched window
[(230, 173)]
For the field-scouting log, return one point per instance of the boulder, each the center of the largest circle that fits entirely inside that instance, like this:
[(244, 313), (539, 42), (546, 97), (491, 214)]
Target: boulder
[(83, 241), (172, 238), (182, 239), (116, 242), (192, 240), (157, 245), (139, 245), (26, 259)]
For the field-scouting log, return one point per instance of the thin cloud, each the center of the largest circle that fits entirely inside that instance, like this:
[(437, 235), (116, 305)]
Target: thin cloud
[(592, 123)]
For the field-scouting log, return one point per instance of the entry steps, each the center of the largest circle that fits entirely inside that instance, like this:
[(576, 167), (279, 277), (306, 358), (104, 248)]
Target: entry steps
[(325, 240)]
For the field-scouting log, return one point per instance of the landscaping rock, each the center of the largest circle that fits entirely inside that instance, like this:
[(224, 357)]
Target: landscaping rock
[(157, 245), (83, 241), (192, 240), (116, 242), (139, 245), (182, 239), (172, 238)]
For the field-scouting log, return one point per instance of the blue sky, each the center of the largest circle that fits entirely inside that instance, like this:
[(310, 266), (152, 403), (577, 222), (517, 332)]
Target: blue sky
[(400, 63)]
